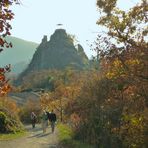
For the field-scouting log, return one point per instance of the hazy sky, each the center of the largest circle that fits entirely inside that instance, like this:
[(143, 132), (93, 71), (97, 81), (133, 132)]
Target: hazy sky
[(35, 18)]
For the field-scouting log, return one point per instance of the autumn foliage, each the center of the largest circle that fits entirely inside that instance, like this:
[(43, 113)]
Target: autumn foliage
[(9, 121), (30, 106), (106, 106), (6, 15), (66, 87), (4, 86), (109, 107)]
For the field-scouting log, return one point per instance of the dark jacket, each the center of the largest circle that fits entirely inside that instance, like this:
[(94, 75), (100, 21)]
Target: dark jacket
[(52, 117)]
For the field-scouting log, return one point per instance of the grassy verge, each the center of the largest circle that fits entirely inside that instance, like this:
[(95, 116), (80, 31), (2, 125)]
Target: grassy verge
[(66, 138), (11, 136)]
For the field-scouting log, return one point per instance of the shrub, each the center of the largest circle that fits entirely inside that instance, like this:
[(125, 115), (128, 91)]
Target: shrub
[(25, 111), (9, 120), (3, 119)]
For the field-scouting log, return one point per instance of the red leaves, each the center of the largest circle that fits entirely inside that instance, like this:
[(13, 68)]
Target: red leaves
[(4, 89), (6, 15), (1, 41), (5, 43), (2, 78)]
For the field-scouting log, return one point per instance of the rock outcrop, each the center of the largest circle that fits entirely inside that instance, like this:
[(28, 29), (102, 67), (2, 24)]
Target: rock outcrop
[(57, 53)]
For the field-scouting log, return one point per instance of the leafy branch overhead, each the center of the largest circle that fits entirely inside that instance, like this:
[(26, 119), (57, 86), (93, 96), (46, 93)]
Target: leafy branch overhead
[(6, 15), (130, 28)]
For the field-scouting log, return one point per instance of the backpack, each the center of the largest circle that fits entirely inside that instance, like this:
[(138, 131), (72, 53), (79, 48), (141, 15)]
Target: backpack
[(45, 116), (49, 116), (33, 116)]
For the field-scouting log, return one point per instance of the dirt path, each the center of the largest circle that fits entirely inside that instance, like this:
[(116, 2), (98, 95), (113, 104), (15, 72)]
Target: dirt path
[(35, 139)]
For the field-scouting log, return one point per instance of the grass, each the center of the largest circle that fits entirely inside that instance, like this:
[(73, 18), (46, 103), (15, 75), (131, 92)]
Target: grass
[(11, 136), (66, 138)]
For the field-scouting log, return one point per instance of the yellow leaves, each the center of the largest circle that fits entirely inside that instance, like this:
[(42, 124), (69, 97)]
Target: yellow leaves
[(132, 62), (55, 104), (117, 63), (136, 121), (116, 69), (110, 75), (6, 5), (133, 120)]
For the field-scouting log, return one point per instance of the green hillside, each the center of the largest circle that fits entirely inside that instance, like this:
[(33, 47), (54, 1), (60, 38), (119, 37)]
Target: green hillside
[(21, 52)]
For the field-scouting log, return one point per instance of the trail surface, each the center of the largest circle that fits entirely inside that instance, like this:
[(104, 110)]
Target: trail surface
[(34, 139)]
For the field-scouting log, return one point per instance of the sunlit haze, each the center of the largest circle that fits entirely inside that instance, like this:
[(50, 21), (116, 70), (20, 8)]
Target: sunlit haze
[(33, 19)]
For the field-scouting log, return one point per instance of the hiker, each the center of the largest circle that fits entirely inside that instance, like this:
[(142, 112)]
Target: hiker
[(48, 115), (44, 121), (33, 119), (52, 118)]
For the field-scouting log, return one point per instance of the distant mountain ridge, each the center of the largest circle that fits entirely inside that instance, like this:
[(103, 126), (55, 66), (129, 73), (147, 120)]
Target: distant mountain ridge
[(57, 53), (19, 55)]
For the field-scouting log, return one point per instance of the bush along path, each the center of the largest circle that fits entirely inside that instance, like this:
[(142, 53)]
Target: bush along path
[(34, 139)]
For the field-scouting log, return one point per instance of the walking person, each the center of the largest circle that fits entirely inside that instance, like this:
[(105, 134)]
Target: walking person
[(33, 119), (52, 117), (44, 121)]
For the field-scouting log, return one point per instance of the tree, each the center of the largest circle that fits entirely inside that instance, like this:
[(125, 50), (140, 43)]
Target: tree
[(124, 62), (111, 107), (130, 28), (6, 15), (67, 87), (9, 120)]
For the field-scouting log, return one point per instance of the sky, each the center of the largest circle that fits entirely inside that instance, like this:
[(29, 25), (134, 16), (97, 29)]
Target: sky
[(36, 18)]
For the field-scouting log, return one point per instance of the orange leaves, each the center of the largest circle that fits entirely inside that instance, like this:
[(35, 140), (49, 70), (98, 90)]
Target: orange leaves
[(2, 78), (4, 86), (64, 94), (9, 104), (4, 89), (75, 119), (1, 40)]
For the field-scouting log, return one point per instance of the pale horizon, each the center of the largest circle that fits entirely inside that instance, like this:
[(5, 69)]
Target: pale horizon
[(34, 19)]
